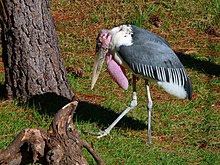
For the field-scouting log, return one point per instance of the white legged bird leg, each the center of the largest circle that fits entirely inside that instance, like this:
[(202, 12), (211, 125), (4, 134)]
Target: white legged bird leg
[(149, 107), (132, 105)]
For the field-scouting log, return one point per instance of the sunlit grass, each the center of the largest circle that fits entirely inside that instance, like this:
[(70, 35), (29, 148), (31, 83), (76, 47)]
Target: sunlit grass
[(184, 132), (14, 118)]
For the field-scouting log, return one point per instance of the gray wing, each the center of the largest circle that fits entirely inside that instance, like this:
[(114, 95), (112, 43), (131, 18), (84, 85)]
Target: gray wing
[(141, 35), (159, 63)]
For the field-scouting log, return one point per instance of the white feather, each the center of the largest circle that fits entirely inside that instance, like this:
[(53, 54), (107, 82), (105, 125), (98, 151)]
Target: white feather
[(173, 89), (118, 59), (121, 36)]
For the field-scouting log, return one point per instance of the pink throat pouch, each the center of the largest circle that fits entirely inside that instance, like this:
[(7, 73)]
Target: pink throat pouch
[(117, 72)]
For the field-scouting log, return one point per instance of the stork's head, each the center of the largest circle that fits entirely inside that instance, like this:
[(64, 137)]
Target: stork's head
[(102, 46), (109, 40)]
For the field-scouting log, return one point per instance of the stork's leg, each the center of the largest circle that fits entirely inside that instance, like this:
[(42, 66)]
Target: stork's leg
[(149, 107), (132, 105)]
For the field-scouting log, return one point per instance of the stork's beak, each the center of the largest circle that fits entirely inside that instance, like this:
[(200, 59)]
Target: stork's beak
[(99, 59)]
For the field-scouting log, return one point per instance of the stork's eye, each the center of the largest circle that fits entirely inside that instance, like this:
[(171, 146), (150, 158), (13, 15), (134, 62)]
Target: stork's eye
[(105, 35)]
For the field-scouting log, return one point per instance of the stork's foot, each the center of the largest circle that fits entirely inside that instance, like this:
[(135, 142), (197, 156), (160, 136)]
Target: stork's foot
[(100, 133)]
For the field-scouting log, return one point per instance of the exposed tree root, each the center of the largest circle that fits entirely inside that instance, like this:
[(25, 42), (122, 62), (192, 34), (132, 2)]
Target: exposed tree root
[(61, 144)]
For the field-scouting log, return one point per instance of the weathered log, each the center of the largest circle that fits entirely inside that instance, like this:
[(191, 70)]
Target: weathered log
[(61, 144)]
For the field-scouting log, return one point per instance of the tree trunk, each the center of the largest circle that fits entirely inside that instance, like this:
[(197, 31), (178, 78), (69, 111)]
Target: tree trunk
[(61, 144), (31, 52)]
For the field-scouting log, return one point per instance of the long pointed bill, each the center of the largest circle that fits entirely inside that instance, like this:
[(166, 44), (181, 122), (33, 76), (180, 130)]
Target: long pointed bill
[(99, 59)]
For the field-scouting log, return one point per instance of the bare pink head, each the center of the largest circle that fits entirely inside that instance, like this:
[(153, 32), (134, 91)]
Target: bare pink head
[(103, 40)]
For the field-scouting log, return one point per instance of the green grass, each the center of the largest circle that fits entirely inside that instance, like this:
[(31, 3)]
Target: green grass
[(14, 118), (184, 132)]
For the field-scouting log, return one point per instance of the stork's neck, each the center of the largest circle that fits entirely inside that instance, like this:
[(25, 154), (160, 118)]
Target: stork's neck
[(121, 35)]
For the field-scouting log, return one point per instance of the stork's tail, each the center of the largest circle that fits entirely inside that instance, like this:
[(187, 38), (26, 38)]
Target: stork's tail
[(180, 91)]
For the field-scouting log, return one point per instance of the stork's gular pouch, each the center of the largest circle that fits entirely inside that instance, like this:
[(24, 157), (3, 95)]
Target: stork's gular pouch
[(117, 72)]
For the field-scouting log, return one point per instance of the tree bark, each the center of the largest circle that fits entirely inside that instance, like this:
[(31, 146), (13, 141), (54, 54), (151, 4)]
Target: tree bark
[(31, 52), (61, 144)]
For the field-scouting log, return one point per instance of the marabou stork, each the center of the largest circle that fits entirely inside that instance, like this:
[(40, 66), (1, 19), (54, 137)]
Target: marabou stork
[(146, 55)]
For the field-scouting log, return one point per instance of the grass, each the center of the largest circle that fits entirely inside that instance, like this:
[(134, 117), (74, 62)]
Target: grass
[(184, 132)]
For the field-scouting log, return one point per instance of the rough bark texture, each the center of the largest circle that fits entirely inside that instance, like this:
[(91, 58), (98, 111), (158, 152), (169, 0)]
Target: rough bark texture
[(31, 53), (60, 145)]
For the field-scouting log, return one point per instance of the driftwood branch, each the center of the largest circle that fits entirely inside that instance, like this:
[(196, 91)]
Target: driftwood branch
[(61, 144)]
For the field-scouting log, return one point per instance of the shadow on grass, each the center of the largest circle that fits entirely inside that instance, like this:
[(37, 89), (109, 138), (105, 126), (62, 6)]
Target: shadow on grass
[(104, 117), (48, 103), (206, 67)]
